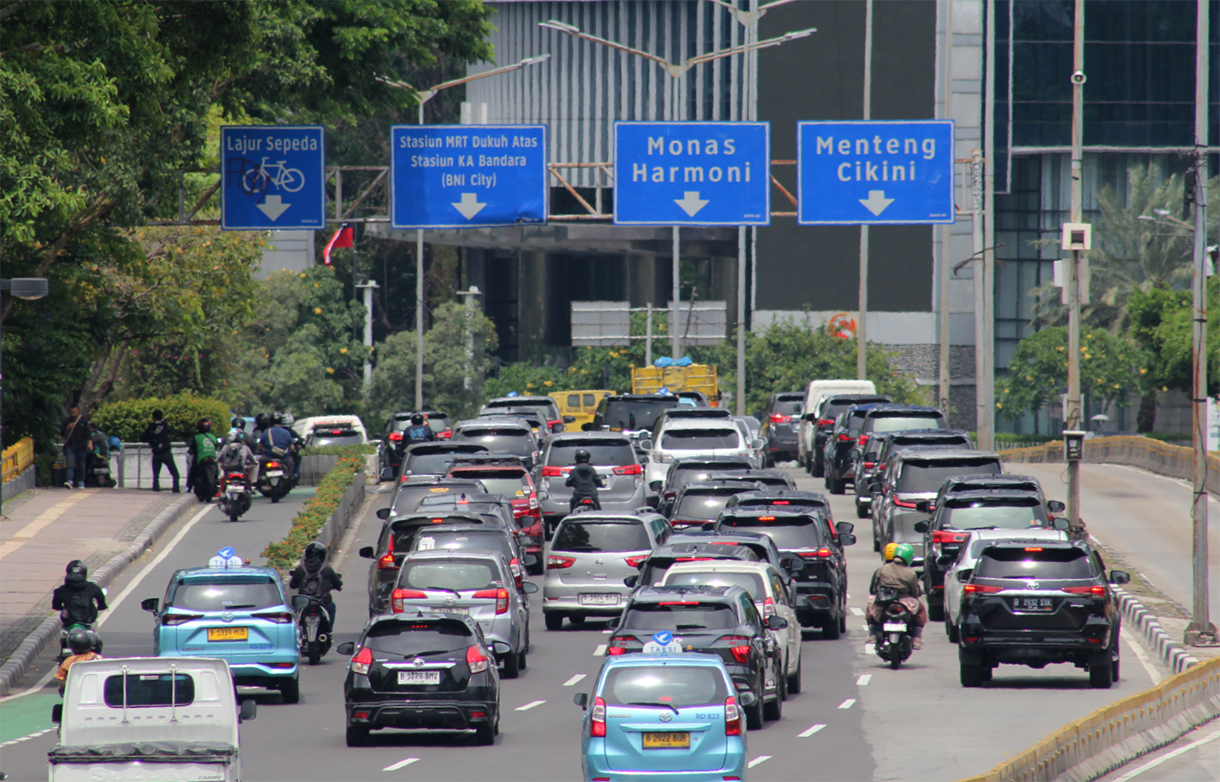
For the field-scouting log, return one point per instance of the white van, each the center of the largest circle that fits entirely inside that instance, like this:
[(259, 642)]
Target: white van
[(318, 426), (149, 718), (814, 392)]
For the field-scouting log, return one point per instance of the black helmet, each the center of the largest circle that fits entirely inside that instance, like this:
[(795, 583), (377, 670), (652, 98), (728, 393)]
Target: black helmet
[(76, 567), (237, 423), (277, 418), (80, 641), (583, 456), (204, 426), (417, 418), (315, 550), (262, 420)]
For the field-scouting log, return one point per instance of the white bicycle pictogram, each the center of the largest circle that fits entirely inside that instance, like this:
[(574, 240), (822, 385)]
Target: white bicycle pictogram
[(255, 180)]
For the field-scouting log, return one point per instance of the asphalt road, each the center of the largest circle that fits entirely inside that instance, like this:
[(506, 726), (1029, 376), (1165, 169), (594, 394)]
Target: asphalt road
[(855, 720)]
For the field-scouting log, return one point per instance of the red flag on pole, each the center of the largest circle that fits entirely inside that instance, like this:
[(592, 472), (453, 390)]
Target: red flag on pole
[(343, 238)]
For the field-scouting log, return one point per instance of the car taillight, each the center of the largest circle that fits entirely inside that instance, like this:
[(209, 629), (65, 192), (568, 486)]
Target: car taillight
[(555, 472), (822, 553), (902, 504), (869, 465), (940, 536), (981, 589), (1096, 591), (515, 566), (533, 503), (693, 559), (279, 617), (387, 560), (768, 608), (362, 661), (741, 653), (177, 619), (444, 435), (399, 595), (826, 422), (844, 438), (776, 418), (615, 651), (475, 658), (597, 720), (559, 563), (732, 717), (629, 469), (499, 595), (635, 561), (618, 645), (395, 437)]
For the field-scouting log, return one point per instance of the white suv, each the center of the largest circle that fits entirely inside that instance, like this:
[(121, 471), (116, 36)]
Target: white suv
[(686, 438)]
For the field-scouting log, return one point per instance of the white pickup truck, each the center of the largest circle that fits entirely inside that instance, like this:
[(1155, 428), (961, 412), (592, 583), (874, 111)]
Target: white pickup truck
[(149, 718)]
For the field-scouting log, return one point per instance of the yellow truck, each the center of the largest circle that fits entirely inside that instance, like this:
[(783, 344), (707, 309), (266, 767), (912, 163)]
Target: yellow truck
[(580, 405), (696, 377)]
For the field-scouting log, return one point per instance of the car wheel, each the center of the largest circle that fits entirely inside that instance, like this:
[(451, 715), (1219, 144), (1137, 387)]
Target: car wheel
[(521, 663), (512, 666), (553, 620), (936, 613), (1101, 672), (754, 715), (357, 736), (951, 631), (971, 675), (834, 484), (291, 691), (1114, 669), (861, 510), (775, 709), (485, 735), (818, 468), (794, 681), (830, 630), (843, 620)]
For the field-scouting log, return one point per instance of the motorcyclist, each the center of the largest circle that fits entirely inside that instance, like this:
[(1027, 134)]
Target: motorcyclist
[(201, 449), (418, 431), (584, 481), (78, 599), (82, 650), (899, 576), (262, 422), (235, 455), (315, 578), (278, 441)]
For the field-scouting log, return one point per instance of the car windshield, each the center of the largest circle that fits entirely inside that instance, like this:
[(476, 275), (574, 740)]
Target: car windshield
[(456, 574), (751, 582), (608, 453), (404, 532), (227, 595), (436, 424), (601, 536), (507, 483), (1009, 514), (673, 685), (788, 405), (505, 440), (704, 503), (899, 423), (957, 440), (1034, 562), (787, 532), (636, 414), (409, 497), (700, 439), (429, 540), (927, 476), (418, 637), (542, 411), (683, 612)]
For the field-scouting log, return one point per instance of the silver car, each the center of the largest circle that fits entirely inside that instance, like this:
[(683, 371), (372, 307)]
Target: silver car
[(473, 583), (622, 476), (591, 554)]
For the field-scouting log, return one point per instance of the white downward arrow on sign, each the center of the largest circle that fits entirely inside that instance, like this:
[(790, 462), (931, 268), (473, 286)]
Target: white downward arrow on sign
[(691, 203), (876, 202), (469, 206), (273, 207)]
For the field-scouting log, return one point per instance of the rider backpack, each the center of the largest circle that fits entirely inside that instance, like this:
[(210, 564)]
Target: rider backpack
[(312, 585), (231, 456), (80, 607), (418, 434)]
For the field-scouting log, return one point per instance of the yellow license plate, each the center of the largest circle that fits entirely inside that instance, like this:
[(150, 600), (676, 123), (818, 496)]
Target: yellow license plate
[(666, 741), (228, 633)]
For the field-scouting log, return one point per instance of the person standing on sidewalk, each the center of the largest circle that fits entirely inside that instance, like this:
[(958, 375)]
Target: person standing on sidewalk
[(157, 437), (75, 431)]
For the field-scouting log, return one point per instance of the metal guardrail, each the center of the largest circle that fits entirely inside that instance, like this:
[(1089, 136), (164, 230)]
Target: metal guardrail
[(17, 457)]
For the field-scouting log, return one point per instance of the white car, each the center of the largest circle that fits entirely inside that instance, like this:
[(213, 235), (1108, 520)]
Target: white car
[(766, 588), (744, 427), (814, 393), (962, 568), (684, 438)]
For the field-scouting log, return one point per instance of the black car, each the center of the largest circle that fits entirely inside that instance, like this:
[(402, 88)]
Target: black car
[(839, 452), (780, 419), (964, 483), (423, 670), (775, 480), (629, 412), (822, 577), (544, 406), (409, 494), (500, 437), (694, 470), (879, 446), (431, 460), (391, 447), (530, 537), (719, 620), (699, 503), (823, 421), (787, 501), (1049, 602), (681, 547)]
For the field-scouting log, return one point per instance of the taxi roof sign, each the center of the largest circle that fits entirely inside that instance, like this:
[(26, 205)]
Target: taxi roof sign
[(226, 558)]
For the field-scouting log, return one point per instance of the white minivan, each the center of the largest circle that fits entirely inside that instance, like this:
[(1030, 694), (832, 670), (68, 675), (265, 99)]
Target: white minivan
[(814, 392), (685, 438)]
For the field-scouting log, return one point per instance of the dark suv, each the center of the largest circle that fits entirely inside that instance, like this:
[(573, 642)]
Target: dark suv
[(878, 448), (823, 420), (839, 452), (546, 408), (629, 412), (694, 470), (699, 503), (1049, 602), (780, 419), (682, 547), (719, 620)]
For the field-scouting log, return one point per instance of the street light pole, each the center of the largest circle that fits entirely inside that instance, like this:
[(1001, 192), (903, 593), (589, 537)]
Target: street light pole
[(1072, 415), (862, 324), (986, 393)]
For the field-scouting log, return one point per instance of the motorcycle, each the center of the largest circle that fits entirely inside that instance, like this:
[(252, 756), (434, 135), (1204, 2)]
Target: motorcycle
[(894, 639), (206, 479), (274, 481), (313, 624), (97, 474), (235, 500), (65, 649)]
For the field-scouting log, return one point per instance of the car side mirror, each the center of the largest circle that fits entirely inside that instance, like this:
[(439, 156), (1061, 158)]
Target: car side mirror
[(644, 458), (1061, 523), (569, 419), (383, 513), (776, 622), (921, 526), (654, 486), (757, 443), (964, 575), (1119, 577), (151, 604), (845, 527), (587, 427), (57, 713), (746, 698), (347, 647), (366, 552), (249, 710), (581, 699), (530, 559), (708, 526), (529, 587), (923, 506), (300, 602), (874, 485), (631, 581), (645, 445), (387, 474), (801, 602), (1055, 506), (792, 564), (847, 539)]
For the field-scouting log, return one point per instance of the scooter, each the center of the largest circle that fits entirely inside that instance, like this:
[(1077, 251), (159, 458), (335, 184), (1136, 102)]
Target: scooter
[(97, 474), (67, 626), (206, 478), (313, 624), (274, 481), (235, 500), (894, 638)]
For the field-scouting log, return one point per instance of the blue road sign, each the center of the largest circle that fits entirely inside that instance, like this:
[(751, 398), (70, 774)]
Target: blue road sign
[(692, 173), (274, 177), (468, 176), (875, 172)]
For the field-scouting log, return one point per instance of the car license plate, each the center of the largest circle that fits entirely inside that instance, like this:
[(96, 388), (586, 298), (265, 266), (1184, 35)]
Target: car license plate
[(228, 633), (666, 741), (599, 600), (419, 677), (464, 610), (894, 627), (1033, 605)]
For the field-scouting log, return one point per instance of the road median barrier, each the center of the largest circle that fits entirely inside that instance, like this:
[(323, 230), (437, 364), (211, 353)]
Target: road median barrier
[(325, 516)]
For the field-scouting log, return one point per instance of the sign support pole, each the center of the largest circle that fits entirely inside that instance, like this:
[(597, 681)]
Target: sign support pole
[(862, 321), (419, 306), (1072, 417), (986, 424), (946, 234)]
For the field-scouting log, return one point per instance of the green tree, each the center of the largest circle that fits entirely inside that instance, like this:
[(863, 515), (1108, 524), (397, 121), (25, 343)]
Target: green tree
[(1110, 370)]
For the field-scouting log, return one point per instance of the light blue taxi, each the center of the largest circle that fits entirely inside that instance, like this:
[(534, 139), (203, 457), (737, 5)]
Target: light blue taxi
[(237, 613), (663, 715)]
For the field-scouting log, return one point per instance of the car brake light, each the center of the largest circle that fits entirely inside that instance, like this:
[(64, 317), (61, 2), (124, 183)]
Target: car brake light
[(844, 438), (597, 720), (615, 651), (940, 536), (902, 504), (1033, 548), (533, 503), (693, 559), (732, 717), (515, 566), (499, 595), (981, 589), (176, 619), (395, 437), (279, 617), (741, 653), (559, 563), (1097, 591), (444, 435), (399, 595), (475, 658), (555, 472), (869, 465), (362, 661), (780, 502), (863, 440), (678, 603), (826, 422), (766, 518), (768, 608), (822, 553), (629, 469), (776, 418), (635, 561)]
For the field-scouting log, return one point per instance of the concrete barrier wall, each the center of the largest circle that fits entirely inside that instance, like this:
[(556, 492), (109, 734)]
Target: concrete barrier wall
[(24, 480), (314, 468), (1155, 456), (338, 522)]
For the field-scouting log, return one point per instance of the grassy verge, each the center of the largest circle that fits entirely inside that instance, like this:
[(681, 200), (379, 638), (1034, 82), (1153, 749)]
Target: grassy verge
[(340, 450), (284, 554)]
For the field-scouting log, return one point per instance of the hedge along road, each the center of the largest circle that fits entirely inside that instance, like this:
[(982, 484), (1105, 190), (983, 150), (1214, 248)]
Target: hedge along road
[(854, 720)]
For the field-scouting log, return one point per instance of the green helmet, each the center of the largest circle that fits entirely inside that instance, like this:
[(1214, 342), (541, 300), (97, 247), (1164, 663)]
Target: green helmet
[(905, 552)]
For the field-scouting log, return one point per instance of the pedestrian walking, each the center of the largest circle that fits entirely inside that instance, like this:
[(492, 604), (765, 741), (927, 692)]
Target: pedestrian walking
[(157, 437), (75, 431)]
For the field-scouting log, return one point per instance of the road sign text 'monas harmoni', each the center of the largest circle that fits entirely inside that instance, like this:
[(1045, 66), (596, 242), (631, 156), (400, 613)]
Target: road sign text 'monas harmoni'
[(693, 148)]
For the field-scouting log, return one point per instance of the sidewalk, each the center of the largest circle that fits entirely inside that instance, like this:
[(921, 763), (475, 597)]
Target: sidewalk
[(45, 529)]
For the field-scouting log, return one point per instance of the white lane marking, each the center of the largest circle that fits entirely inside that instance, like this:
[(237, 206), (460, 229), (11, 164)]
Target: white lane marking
[(849, 595), (26, 738), (574, 680), (529, 705), (400, 764), (1168, 756), (857, 611), (600, 650), (757, 760), (864, 625), (868, 648), (607, 631), (1142, 656), (847, 704), (810, 732), (863, 680)]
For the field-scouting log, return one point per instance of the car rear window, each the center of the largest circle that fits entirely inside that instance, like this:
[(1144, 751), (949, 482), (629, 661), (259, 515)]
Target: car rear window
[(681, 613), (430, 540), (329, 437), (419, 637), (601, 536), (409, 498), (665, 685), (901, 423), (456, 574), (927, 476), (135, 690), (436, 424), (705, 503), (507, 483), (1005, 514), (957, 439), (683, 475), (636, 413), (751, 582), (700, 439), (496, 435), (784, 406), (787, 532), (1034, 562), (608, 453), (428, 463), (235, 594), (404, 532)]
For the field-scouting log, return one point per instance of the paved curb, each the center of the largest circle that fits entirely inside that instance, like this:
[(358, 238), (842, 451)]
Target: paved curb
[(15, 667), (1177, 658)]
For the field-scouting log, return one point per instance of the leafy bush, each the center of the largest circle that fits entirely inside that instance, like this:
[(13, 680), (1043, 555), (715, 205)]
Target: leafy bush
[(127, 420), (311, 518), (358, 451)]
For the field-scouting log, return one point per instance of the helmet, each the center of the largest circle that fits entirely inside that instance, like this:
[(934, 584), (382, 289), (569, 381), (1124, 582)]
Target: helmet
[(78, 568), (277, 418), (905, 552), (890, 548), (417, 418), (583, 456), (80, 641), (262, 420), (238, 423), (204, 426), (315, 550)]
